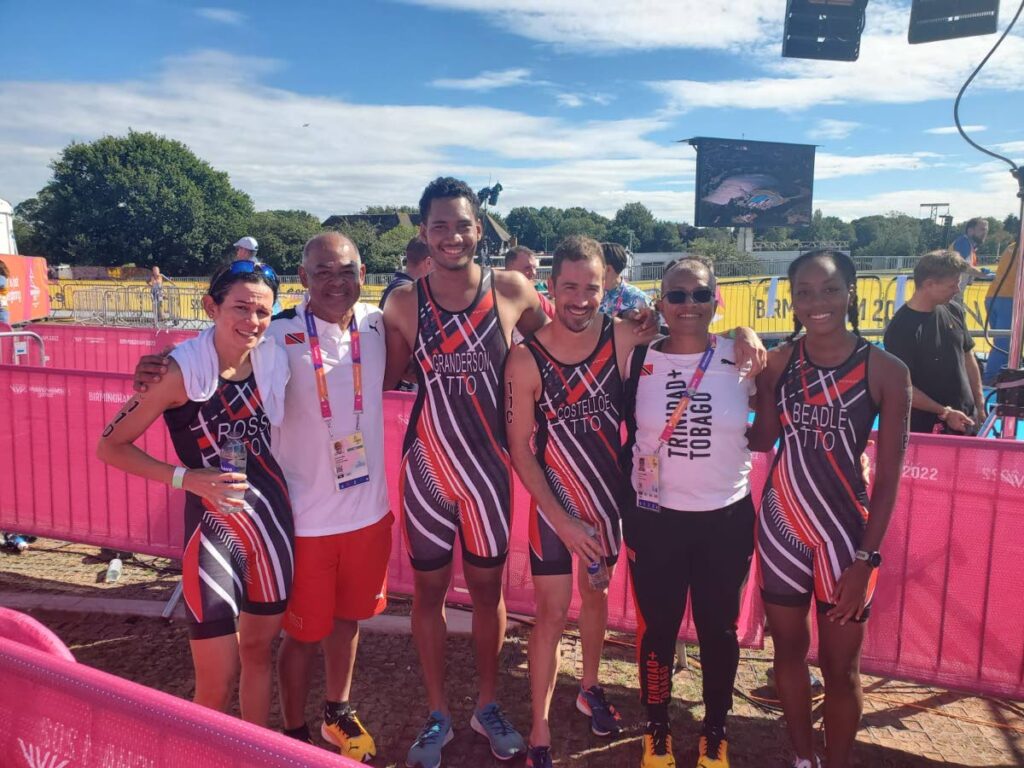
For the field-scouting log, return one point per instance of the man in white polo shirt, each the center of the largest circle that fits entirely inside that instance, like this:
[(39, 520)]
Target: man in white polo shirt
[(331, 448)]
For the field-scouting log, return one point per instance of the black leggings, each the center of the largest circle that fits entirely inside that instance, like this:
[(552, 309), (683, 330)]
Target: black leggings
[(705, 554)]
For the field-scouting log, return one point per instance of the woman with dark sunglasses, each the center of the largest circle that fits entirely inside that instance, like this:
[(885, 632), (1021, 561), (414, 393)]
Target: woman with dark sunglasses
[(691, 529), (222, 392)]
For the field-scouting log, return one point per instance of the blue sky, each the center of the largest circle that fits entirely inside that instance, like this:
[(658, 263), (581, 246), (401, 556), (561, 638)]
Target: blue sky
[(330, 107)]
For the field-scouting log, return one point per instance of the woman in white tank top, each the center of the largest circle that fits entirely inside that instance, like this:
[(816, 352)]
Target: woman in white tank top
[(691, 528)]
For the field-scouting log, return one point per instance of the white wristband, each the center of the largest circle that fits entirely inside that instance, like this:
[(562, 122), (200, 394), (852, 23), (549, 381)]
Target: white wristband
[(178, 478)]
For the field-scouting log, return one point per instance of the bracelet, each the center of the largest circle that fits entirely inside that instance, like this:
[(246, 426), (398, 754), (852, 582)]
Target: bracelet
[(944, 414), (178, 478)]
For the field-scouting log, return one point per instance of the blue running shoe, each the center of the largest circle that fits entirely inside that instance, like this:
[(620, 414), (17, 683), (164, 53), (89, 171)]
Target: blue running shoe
[(425, 752), (539, 757), (505, 740), (604, 718)]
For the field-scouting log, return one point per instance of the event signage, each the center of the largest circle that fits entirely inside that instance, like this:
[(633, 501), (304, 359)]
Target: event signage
[(28, 289)]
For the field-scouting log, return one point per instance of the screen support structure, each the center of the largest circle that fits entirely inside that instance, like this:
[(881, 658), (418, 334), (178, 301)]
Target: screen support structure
[(1010, 381)]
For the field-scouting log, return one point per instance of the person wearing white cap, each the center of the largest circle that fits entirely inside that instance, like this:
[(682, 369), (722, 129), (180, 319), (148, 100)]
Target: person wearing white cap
[(245, 249)]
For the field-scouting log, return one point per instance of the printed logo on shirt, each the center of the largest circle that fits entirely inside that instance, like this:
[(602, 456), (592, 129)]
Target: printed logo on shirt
[(726, 361), (374, 327), (647, 369), (295, 338)]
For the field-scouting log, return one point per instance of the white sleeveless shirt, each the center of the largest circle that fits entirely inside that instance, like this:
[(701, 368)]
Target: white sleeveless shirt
[(706, 464)]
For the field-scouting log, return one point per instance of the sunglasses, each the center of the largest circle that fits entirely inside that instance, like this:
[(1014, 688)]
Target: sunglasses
[(699, 296), (246, 267)]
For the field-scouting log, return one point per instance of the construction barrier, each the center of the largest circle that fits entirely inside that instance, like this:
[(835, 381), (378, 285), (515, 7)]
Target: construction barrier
[(56, 713), (947, 610)]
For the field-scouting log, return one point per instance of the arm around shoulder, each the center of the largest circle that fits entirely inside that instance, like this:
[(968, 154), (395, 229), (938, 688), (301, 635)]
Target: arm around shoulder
[(400, 321)]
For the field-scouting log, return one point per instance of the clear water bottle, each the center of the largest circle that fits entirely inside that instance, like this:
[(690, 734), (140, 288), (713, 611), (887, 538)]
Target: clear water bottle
[(597, 571), (114, 570), (233, 459)]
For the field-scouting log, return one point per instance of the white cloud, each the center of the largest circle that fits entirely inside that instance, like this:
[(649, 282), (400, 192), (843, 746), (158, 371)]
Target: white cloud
[(629, 24), (1011, 148), (222, 16), (828, 166), (575, 100), (889, 71), (948, 129), (351, 155), (487, 81), (828, 128)]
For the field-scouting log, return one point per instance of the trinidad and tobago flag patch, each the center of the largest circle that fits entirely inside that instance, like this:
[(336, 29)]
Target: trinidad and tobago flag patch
[(647, 369), (294, 338)]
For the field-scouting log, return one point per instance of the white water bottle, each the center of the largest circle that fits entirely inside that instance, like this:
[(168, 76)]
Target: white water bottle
[(597, 571), (233, 458), (114, 570)]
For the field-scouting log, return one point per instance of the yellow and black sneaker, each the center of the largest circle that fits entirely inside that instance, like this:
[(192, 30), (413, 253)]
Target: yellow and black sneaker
[(657, 747), (342, 729), (714, 749)]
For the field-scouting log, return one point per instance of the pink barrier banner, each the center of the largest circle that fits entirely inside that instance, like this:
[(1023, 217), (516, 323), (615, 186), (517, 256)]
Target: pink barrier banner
[(54, 713), (53, 484), (22, 628), (947, 609), (102, 348)]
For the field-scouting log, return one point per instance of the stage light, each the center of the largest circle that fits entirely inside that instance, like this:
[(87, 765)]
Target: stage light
[(932, 20), (823, 29)]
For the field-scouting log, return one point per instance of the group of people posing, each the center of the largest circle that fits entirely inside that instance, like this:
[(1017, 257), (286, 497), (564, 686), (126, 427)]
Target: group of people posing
[(302, 537)]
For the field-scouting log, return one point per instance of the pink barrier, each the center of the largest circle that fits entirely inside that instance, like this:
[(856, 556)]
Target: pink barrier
[(53, 484), (22, 628), (101, 348), (947, 609), (54, 712)]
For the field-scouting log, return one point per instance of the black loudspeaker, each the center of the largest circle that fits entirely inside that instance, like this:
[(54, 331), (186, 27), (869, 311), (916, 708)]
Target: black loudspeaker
[(932, 20), (823, 29)]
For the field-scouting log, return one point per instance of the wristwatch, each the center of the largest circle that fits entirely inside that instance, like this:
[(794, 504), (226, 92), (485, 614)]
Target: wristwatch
[(873, 559)]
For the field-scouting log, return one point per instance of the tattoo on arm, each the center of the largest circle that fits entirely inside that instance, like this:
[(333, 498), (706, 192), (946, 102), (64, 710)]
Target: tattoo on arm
[(130, 406), (508, 401)]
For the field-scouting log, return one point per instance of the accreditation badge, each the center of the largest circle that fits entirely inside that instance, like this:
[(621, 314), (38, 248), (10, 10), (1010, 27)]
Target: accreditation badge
[(648, 495), (349, 455)]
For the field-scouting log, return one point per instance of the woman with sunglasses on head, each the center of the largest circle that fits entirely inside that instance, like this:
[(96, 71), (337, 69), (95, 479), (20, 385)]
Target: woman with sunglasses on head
[(691, 530), (815, 537), (221, 394)]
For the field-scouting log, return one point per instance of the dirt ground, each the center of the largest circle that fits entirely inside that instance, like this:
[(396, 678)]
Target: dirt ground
[(905, 725)]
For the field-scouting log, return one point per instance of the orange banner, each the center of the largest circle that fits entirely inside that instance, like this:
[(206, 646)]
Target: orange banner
[(28, 289)]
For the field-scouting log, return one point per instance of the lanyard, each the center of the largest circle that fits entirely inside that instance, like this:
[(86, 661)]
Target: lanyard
[(321, 377), (684, 401)]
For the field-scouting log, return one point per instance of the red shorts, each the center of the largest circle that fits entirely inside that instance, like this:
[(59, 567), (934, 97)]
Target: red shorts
[(343, 576)]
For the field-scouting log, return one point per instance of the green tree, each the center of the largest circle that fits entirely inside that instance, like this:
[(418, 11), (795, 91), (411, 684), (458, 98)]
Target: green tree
[(364, 236), (138, 198), (623, 235), (28, 239), (727, 258), (638, 218), (281, 235), (535, 228), (379, 209), (895, 234), (666, 237), (827, 229), (386, 255)]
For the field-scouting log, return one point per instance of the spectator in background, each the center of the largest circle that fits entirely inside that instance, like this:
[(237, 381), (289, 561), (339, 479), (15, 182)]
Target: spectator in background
[(246, 249), (5, 315), (620, 298), (967, 245), (417, 263), (929, 334), (521, 259), (999, 305), (155, 281)]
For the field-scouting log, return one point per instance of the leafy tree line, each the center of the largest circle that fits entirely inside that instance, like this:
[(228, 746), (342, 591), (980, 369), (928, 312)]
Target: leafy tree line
[(146, 199)]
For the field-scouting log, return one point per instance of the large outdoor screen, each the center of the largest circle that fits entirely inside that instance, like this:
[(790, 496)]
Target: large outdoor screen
[(756, 184)]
